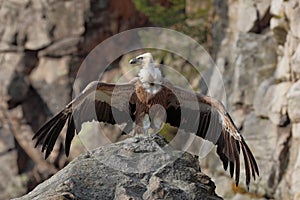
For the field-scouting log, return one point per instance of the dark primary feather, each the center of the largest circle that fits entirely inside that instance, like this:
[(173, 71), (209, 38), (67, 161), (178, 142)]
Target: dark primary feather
[(49, 132), (69, 135), (237, 166), (40, 134), (229, 151)]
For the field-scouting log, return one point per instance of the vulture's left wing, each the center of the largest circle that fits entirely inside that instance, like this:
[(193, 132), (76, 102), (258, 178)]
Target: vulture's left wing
[(208, 118)]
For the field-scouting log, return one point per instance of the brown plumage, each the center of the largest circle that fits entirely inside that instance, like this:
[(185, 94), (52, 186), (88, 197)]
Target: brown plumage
[(130, 102)]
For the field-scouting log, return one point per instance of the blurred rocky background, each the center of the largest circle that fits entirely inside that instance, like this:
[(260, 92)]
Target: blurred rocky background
[(254, 43)]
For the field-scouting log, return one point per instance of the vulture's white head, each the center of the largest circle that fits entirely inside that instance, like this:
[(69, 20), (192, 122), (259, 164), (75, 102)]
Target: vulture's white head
[(144, 60), (149, 75)]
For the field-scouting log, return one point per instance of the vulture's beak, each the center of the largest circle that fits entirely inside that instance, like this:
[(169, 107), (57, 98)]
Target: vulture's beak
[(133, 61)]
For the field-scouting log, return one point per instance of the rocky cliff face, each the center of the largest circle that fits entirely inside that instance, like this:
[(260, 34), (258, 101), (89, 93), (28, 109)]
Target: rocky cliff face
[(259, 60)]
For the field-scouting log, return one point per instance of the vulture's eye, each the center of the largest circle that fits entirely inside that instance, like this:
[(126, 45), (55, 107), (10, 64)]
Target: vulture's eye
[(140, 58)]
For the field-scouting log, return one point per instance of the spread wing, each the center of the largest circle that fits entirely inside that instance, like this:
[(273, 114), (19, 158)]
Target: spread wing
[(98, 101), (207, 117)]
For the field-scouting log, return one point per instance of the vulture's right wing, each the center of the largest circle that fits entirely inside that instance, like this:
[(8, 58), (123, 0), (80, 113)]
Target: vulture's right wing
[(99, 101)]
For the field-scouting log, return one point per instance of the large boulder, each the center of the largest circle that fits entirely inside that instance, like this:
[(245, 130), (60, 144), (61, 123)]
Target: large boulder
[(136, 168)]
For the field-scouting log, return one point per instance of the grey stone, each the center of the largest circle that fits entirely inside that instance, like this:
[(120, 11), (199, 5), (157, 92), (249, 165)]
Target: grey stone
[(49, 78), (260, 102), (71, 24), (108, 173), (295, 63), (14, 86), (247, 15), (272, 102), (292, 11), (268, 143), (279, 27), (17, 89), (250, 12), (38, 33), (293, 97), (255, 60), (8, 64), (291, 173), (292, 169), (9, 24), (283, 71), (296, 130), (277, 8), (9, 156), (295, 189), (61, 48)]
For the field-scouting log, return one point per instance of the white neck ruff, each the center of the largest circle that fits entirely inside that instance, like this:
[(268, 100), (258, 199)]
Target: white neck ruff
[(151, 78)]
